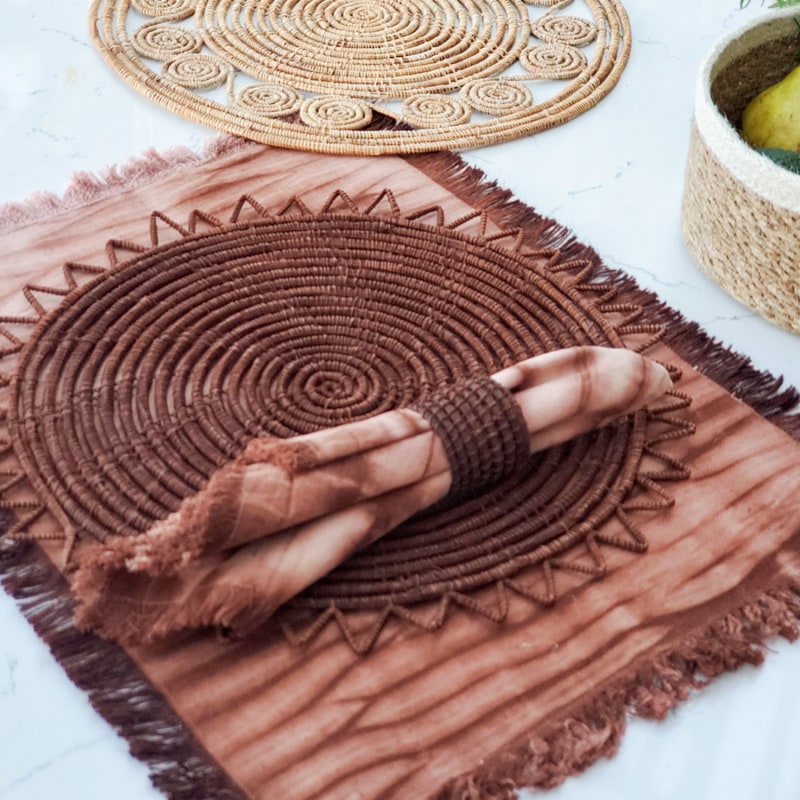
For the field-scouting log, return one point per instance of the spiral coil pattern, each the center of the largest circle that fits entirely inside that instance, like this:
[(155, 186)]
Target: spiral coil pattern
[(165, 42), (497, 97), (563, 29), (269, 100), (336, 113), (197, 71), (435, 110), (177, 9), (143, 383), (553, 61)]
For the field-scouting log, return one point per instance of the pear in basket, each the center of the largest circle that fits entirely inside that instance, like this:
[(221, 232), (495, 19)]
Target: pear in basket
[(772, 119)]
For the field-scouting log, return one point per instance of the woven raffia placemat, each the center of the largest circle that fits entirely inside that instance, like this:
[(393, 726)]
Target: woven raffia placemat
[(313, 75), (496, 644)]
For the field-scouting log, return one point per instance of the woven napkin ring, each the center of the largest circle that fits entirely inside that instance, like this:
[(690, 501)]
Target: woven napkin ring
[(482, 430)]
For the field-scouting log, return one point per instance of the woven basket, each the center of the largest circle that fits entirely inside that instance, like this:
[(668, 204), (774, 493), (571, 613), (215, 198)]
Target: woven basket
[(741, 212)]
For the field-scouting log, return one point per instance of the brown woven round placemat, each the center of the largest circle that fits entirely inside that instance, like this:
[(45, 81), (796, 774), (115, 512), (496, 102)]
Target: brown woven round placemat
[(144, 381), (314, 74)]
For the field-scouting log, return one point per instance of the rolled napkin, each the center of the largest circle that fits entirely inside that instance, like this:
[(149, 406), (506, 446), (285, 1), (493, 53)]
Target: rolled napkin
[(286, 512)]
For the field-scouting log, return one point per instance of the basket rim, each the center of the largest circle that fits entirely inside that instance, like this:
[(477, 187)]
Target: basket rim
[(758, 173)]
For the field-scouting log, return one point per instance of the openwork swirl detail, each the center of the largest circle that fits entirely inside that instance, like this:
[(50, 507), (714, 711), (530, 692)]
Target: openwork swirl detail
[(197, 71), (497, 97), (177, 9), (395, 56), (558, 29), (553, 61), (336, 113), (269, 100), (435, 110), (164, 42)]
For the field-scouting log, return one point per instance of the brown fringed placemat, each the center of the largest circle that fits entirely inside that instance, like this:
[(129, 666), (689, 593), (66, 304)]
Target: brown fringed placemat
[(312, 75), (538, 663)]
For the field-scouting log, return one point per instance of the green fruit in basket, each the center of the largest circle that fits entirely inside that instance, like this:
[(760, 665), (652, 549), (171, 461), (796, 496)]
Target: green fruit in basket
[(788, 159), (772, 119)]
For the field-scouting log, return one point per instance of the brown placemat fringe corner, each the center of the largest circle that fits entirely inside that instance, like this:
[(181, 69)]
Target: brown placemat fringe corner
[(89, 187), (113, 683), (545, 758)]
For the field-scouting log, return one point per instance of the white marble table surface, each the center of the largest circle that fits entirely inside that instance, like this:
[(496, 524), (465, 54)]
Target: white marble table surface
[(615, 176)]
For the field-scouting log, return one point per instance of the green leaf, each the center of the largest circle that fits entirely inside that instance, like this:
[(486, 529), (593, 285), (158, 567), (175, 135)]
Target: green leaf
[(788, 159)]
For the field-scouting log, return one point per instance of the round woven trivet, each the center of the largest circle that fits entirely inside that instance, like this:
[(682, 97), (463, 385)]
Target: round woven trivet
[(144, 381), (741, 212), (309, 74)]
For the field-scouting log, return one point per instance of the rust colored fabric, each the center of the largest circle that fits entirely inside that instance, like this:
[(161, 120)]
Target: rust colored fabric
[(677, 558)]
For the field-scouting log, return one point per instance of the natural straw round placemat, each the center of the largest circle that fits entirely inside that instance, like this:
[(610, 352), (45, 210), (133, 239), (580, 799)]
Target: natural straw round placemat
[(318, 74), (741, 212), (145, 380)]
